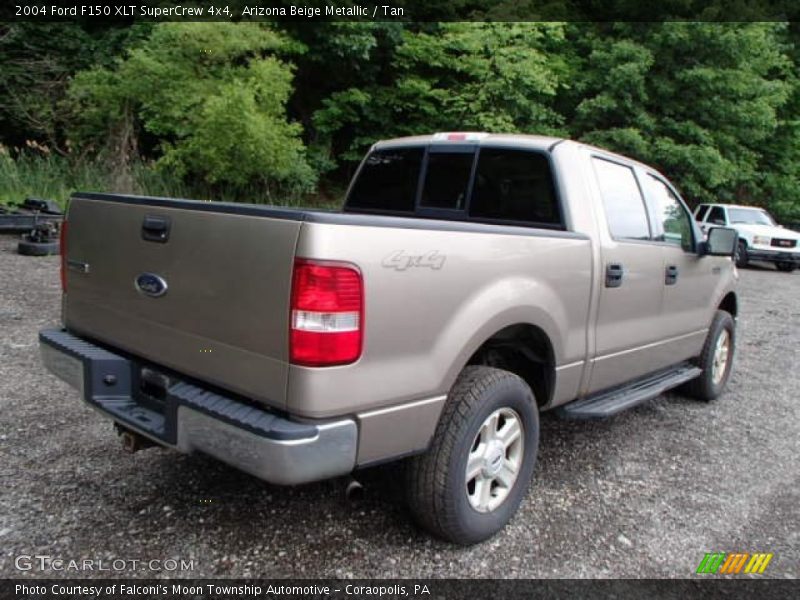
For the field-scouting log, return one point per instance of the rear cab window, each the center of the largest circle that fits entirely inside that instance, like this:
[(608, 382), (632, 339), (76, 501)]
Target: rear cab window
[(388, 181), (501, 185), (514, 185), (446, 183)]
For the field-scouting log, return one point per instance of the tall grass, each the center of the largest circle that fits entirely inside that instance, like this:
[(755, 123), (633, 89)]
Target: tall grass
[(49, 177), (54, 177)]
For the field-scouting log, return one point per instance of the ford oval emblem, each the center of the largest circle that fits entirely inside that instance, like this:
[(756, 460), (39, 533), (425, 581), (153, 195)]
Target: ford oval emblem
[(151, 284)]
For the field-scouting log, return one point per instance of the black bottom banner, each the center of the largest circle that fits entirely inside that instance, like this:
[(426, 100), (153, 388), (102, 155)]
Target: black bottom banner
[(479, 589)]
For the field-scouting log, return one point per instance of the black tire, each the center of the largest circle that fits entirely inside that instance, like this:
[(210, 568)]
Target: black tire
[(704, 387), (436, 480), (786, 267), (28, 248), (741, 257)]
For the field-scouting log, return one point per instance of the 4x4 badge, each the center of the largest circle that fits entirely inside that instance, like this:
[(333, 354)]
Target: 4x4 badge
[(401, 261)]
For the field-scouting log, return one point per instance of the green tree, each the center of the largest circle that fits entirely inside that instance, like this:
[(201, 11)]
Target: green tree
[(701, 101), (212, 95), (232, 106), (340, 56), (36, 63), (455, 76), (778, 175)]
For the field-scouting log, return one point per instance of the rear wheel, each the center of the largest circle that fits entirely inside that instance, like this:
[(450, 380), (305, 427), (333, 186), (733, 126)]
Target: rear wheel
[(741, 257), (474, 476), (786, 267), (715, 360)]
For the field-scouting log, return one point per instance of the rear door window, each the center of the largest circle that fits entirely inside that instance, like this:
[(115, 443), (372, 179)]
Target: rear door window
[(514, 185), (622, 200), (388, 181)]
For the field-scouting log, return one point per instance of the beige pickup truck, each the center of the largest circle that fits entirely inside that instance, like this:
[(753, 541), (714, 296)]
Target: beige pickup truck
[(471, 281)]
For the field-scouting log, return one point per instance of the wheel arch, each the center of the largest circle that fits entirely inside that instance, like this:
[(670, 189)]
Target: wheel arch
[(527, 351), (743, 235), (730, 304), (540, 329)]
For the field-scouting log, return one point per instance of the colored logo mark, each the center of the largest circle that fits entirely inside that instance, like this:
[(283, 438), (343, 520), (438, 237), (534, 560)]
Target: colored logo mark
[(723, 563)]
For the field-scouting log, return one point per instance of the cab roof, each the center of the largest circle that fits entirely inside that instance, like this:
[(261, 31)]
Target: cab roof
[(482, 138), (733, 205), (539, 142)]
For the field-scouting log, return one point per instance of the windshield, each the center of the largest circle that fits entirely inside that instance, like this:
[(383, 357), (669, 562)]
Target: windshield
[(752, 216)]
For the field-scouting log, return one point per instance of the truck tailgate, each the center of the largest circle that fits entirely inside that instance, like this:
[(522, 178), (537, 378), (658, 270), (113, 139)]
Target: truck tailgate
[(223, 317)]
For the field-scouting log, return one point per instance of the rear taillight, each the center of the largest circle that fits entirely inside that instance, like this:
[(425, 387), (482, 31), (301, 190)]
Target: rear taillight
[(62, 249), (327, 314)]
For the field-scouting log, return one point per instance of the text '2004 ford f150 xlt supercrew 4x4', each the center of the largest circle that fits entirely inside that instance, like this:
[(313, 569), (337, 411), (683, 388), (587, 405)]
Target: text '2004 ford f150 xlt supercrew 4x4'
[(471, 281)]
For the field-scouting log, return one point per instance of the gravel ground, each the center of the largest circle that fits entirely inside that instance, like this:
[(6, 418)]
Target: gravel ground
[(644, 494)]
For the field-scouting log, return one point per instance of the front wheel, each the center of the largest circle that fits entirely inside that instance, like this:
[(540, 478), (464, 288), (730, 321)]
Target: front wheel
[(785, 266), (472, 479), (741, 257), (715, 360)]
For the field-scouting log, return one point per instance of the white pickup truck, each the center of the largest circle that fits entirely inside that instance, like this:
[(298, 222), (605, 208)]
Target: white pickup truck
[(760, 237)]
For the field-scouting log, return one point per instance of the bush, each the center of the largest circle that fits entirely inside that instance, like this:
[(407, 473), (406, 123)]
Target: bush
[(215, 98)]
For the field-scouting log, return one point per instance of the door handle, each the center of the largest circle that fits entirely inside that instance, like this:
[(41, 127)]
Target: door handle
[(614, 272), (671, 275), (155, 229)]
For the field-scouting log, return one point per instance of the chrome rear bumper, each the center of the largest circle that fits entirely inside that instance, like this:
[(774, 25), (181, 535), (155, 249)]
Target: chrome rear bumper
[(190, 418)]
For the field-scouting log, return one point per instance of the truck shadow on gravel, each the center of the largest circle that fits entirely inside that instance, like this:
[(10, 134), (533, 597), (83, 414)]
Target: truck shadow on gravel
[(202, 492)]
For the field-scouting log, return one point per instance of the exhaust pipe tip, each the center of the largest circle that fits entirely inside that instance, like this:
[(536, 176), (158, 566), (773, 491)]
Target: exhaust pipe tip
[(128, 442), (132, 441), (354, 492)]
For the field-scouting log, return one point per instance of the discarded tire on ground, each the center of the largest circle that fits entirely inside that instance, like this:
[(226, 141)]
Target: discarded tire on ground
[(28, 247)]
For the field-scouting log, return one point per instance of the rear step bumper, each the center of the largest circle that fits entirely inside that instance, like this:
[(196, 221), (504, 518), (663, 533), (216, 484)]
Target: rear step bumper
[(190, 418)]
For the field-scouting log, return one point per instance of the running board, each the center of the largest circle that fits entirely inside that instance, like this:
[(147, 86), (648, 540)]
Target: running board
[(608, 403)]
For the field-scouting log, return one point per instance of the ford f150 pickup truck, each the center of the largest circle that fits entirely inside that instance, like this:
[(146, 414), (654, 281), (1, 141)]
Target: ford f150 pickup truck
[(471, 281), (760, 237)]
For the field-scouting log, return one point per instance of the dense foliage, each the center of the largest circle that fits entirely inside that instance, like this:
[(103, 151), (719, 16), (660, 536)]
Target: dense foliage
[(267, 112)]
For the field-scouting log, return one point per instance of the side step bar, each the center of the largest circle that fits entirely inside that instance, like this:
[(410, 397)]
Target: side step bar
[(611, 402)]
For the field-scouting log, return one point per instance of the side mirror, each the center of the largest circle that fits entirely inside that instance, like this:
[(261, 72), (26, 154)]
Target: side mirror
[(721, 241)]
